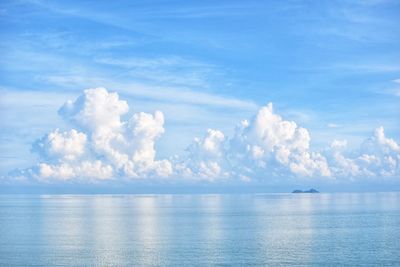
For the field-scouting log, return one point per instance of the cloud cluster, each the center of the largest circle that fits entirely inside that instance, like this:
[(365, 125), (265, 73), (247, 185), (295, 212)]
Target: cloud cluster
[(270, 143), (378, 156), (206, 158), (269, 147), (102, 145)]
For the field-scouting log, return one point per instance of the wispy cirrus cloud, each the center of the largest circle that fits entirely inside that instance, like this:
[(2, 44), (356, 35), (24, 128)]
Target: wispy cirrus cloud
[(172, 70), (159, 93), (333, 125), (396, 89)]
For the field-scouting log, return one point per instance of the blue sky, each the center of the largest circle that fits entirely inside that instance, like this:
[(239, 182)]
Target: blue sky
[(331, 66)]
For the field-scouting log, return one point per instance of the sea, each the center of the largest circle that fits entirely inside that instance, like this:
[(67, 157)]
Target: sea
[(338, 229)]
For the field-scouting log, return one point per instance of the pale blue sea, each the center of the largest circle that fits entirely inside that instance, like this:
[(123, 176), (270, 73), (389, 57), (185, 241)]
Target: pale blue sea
[(200, 230)]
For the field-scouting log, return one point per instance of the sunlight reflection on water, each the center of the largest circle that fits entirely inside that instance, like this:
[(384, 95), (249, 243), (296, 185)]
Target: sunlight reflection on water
[(169, 230)]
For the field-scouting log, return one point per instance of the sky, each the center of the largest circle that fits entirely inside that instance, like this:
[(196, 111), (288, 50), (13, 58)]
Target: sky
[(160, 93)]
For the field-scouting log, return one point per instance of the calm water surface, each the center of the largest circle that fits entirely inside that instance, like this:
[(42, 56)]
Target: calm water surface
[(201, 230)]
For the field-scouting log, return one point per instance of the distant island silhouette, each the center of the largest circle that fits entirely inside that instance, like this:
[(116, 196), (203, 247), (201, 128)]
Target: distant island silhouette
[(312, 190)]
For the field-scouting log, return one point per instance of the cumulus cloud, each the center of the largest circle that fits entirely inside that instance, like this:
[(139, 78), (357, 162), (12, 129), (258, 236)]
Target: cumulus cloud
[(92, 170), (266, 146), (101, 145), (96, 110), (378, 156), (65, 146), (206, 158)]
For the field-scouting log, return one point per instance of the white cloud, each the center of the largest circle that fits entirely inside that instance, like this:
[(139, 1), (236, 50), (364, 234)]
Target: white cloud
[(380, 143), (270, 143), (95, 170), (267, 147), (142, 131), (378, 156), (339, 163), (206, 158), (263, 148), (108, 147), (96, 110), (102, 145), (63, 145)]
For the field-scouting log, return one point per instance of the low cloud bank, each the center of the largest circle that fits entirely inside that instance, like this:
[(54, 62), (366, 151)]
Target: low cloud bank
[(102, 146)]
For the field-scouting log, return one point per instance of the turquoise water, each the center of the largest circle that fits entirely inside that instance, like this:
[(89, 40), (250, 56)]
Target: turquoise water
[(200, 230)]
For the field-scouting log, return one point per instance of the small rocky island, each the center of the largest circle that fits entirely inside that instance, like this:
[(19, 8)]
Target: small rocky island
[(312, 190)]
